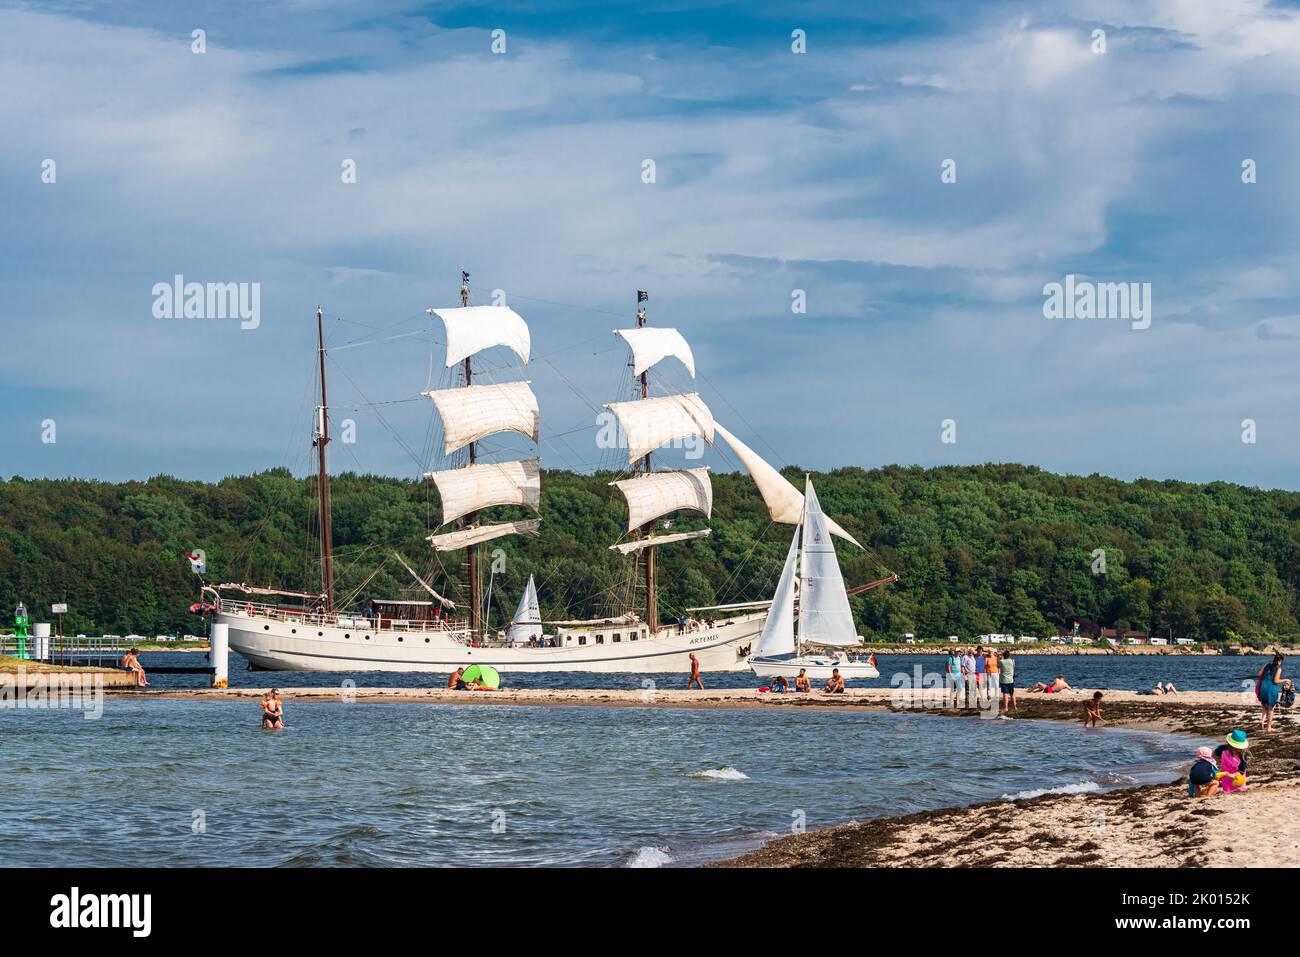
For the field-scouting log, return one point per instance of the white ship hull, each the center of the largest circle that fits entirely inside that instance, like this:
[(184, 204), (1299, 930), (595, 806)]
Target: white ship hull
[(817, 667), (275, 644)]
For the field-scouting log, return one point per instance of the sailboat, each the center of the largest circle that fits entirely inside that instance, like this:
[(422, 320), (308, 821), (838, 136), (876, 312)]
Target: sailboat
[(279, 629), (824, 618)]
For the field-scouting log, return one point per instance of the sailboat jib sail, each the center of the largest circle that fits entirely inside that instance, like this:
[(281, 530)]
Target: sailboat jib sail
[(654, 494), (477, 534), (650, 344), (471, 329), (650, 424), (527, 623), (475, 487), (641, 544), (824, 614), (783, 501), (470, 413), (778, 631)]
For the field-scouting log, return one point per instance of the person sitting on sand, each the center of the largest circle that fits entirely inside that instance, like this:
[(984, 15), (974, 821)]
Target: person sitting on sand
[(835, 684), (272, 711), (1231, 758), (131, 662), (478, 685), (1058, 684), (780, 685), (801, 682), (456, 682), (1202, 779), (1092, 710)]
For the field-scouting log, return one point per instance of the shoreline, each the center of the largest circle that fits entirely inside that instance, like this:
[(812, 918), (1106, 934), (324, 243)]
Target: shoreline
[(1151, 825)]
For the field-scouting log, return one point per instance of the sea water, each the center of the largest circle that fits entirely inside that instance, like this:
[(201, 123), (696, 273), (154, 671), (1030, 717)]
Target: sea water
[(160, 783)]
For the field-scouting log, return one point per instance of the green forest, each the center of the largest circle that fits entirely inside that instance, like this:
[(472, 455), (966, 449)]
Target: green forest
[(990, 548)]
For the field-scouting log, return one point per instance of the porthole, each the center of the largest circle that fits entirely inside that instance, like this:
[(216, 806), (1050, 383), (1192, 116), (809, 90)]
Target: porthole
[(266, 627), (347, 636), (293, 631), (320, 634), (426, 641)]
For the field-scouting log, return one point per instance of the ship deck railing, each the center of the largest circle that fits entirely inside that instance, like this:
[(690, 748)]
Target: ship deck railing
[(254, 609)]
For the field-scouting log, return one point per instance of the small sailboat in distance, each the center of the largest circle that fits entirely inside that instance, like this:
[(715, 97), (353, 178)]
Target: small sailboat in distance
[(526, 627), (824, 617)]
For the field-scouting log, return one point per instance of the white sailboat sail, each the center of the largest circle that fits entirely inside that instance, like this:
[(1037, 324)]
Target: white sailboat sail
[(641, 544), (471, 329), (778, 630), (527, 622), (480, 486), (652, 343), (650, 424), (824, 614), (472, 412), (658, 493), (783, 501), (477, 534)]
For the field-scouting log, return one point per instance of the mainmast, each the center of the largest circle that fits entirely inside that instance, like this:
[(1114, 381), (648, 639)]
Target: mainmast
[(651, 593), (322, 439), (472, 516)]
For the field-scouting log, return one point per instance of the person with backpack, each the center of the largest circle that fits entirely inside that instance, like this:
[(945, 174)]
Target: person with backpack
[(1269, 685)]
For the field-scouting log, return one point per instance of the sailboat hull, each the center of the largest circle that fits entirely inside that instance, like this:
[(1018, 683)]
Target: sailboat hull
[(273, 644), (817, 667)]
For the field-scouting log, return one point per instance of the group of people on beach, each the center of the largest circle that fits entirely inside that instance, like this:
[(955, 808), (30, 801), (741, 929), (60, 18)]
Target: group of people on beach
[(457, 682), (977, 677), (802, 683)]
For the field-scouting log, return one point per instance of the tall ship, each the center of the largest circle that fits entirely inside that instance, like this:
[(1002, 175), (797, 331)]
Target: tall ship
[(280, 629)]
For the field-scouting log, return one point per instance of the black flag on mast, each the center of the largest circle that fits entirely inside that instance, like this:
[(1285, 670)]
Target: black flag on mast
[(642, 295)]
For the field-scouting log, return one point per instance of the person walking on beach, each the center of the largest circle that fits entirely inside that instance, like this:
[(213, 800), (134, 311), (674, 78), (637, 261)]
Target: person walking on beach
[(272, 711), (1007, 682), (956, 687), (1268, 688), (131, 662), (1092, 710), (695, 674)]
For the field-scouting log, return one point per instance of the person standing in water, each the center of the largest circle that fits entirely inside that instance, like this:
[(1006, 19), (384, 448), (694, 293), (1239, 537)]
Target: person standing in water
[(272, 711), (695, 674)]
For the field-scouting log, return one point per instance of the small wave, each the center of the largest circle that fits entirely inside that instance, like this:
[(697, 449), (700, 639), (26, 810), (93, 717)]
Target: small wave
[(650, 857), (721, 774), (1083, 787)]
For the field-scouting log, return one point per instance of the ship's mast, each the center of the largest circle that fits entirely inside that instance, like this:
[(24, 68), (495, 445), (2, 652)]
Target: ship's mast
[(323, 480), (469, 519), (651, 598)]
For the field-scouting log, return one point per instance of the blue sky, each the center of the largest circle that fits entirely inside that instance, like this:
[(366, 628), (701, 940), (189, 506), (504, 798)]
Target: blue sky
[(775, 171)]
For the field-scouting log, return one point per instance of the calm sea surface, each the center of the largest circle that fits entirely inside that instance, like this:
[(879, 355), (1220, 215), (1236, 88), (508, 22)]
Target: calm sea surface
[(172, 783)]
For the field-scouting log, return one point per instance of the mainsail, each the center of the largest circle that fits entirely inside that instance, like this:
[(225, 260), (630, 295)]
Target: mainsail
[(824, 614), (471, 412), (527, 623), (778, 630)]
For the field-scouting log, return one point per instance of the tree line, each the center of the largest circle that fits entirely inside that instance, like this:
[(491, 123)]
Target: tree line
[(988, 548)]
